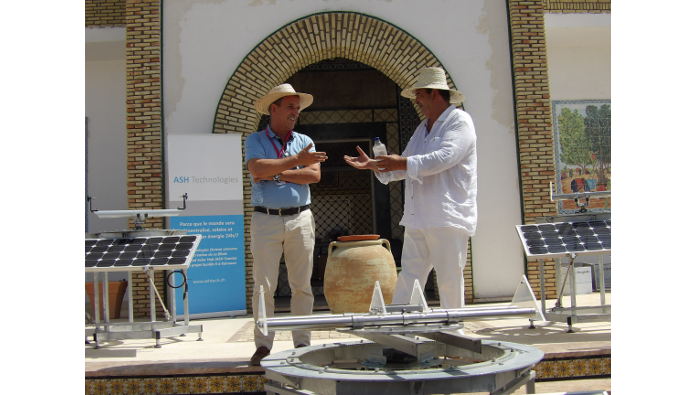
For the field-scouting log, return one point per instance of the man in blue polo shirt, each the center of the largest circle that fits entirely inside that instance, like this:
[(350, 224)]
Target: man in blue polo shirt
[(282, 164)]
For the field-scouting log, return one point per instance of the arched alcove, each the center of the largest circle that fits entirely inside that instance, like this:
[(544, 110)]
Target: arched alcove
[(307, 41)]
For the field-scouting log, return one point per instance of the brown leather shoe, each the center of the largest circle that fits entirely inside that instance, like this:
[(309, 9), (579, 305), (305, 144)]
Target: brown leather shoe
[(300, 345), (261, 353)]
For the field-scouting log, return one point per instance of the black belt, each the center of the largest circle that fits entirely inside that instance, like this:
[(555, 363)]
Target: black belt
[(282, 212)]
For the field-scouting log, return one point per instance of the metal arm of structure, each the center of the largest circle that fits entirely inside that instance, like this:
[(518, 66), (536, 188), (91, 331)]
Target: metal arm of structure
[(578, 196), (137, 213), (412, 317)]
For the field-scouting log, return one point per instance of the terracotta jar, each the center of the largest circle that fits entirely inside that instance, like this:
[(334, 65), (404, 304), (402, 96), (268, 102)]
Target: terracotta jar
[(352, 268), (117, 290)]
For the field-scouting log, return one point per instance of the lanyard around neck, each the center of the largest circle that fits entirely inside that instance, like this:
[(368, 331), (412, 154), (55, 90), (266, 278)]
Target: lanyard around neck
[(282, 149)]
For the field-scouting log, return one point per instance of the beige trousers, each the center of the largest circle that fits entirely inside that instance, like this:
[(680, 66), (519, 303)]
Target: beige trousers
[(271, 236), (442, 248)]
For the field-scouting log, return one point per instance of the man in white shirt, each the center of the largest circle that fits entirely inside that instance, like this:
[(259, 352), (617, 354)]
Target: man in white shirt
[(439, 166)]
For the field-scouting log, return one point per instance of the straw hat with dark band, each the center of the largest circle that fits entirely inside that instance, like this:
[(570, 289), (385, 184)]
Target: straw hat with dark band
[(262, 105), (432, 78)]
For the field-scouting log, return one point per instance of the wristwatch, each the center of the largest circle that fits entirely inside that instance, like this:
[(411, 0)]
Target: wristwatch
[(276, 177)]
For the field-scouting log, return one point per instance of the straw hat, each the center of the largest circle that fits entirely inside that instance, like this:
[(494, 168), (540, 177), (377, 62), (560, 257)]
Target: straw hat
[(432, 78), (281, 91)]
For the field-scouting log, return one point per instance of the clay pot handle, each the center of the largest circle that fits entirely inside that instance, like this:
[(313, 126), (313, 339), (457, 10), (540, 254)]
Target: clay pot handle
[(331, 247), (387, 242)]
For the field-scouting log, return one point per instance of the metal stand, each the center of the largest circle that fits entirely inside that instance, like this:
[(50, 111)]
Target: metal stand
[(573, 314), (119, 241), (140, 330), (106, 331)]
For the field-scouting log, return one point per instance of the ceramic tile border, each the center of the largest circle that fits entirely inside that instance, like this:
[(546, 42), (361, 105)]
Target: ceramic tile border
[(546, 370), (226, 384), (555, 369)]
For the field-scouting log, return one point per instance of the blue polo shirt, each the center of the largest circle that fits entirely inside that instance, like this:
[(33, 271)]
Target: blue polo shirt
[(267, 193)]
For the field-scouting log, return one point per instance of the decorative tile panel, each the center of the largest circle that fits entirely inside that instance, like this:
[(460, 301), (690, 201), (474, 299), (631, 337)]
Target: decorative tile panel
[(230, 384), (546, 370)]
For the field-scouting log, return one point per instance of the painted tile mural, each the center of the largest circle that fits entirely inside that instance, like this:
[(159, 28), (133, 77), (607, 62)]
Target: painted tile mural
[(582, 133)]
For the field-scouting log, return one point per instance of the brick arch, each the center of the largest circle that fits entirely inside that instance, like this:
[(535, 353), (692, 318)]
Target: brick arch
[(317, 37)]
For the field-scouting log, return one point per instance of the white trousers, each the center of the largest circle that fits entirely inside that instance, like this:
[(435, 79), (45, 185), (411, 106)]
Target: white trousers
[(271, 236), (441, 248)]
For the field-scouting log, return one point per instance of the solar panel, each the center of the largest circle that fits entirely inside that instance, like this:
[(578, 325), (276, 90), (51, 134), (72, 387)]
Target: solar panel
[(163, 253), (563, 238)]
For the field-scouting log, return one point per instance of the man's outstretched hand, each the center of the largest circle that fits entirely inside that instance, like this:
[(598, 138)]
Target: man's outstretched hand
[(381, 164), (362, 162)]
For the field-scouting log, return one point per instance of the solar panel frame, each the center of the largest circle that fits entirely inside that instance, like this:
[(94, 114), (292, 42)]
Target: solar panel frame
[(104, 254), (580, 238)]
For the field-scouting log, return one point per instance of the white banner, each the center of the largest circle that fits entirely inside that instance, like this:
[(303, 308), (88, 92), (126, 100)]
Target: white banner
[(206, 166), (208, 169)]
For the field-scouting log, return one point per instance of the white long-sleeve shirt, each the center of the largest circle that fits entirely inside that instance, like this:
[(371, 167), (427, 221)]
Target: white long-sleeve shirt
[(441, 174)]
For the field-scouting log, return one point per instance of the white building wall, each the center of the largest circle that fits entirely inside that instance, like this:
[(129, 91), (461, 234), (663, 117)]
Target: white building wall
[(579, 56), (205, 41), (105, 109)]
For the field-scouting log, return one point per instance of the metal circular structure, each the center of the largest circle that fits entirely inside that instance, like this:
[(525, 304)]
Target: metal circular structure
[(349, 368)]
